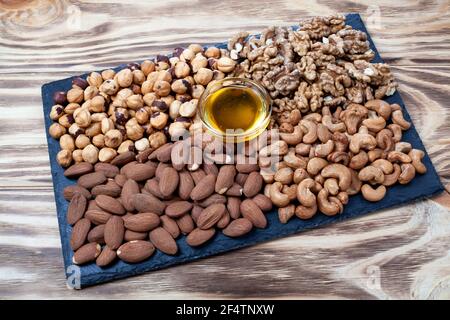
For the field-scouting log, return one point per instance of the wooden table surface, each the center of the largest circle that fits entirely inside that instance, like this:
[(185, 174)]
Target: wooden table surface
[(399, 253)]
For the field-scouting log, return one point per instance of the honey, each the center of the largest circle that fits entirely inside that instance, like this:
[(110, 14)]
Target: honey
[(237, 110)]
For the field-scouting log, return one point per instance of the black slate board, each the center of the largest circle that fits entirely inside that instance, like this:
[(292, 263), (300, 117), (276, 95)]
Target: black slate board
[(423, 186)]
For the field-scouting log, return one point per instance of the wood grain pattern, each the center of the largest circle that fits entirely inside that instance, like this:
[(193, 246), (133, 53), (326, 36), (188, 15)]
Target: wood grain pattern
[(397, 253)]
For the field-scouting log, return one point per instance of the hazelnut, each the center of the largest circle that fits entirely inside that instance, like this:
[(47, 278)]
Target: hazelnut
[(90, 154), (190, 79), (180, 86), (149, 98), (108, 74), (138, 76), (183, 97), (71, 107), (136, 88), (82, 141), (189, 108), (124, 78), (56, 112), (133, 66), (64, 158), (98, 116), (218, 75), (107, 124), (158, 120), (134, 130), (95, 79), (82, 117), (159, 105), (212, 52), (80, 83), (106, 154), (77, 155), (147, 67), (173, 61), (120, 116), (56, 130), (66, 142), (142, 116), (177, 52), (182, 69), (195, 47), (109, 87), (146, 87), (226, 64), (203, 76), (197, 91), (167, 100), (199, 62), (97, 104), (123, 94), (93, 130), (90, 92), (75, 95), (187, 55), (142, 144), (157, 139), (113, 138), (177, 130), (135, 101), (98, 140), (75, 130), (212, 63), (162, 88), (60, 97), (126, 146), (164, 75), (174, 109)]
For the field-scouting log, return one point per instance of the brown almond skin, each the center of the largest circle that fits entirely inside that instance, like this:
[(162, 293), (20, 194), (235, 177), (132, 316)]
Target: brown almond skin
[(224, 221), (97, 234), (252, 212), (204, 188), (178, 208), (197, 175), (164, 152), (142, 157), (210, 216), (142, 222), (108, 169), (241, 178), (246, 168), (98, 216), (135, 251), (210, 168), (123, 158), (78, 169), (263, 202), (114, 231), (225, 178), (185, 224), (87, 253), (170, 225), (139, 171), (111, 188), (233, 207), (133, 235), (79, 233), (76, 209), (253, 184), (110, 204), (120, 179), (168, 182), (106, 257), (198, 236), (71, 190), (152, 186), (148, 203), (163, 241), (186, 185), (212, 199), (235, 190), (160, 168), (129, 189), (238, 228), (195, 212), (92, 179)]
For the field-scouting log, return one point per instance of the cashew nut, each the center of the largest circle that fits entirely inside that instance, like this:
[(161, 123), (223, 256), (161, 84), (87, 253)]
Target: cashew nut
[(324, 149), (300, 174), (397, 118), (374, 123), (279, 147), (291, 191), (339, 171), (339, 157), (323, 133), (329, 206), (397, 131), (376, 153), (416, 157), (303, 212), (371, 194), (371, 174), (342, 197), (404, 147), (355, 185), (353, 116), (359, 160), (327, 120), (303, 149), (310, 129), (304, 193), (284, 175), (362, 141), (293, 138), (384, 165), (381, 107), (278, 198), (316, 117), (408, 173), (315, 165), (332, 186), (390, 179), (340, 141), (395, 156), (293, 161), (385, 139), (286, 213)]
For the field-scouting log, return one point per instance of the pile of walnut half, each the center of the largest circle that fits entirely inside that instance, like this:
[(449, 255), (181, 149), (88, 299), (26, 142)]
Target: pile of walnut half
[(330, 156), (138, 108)]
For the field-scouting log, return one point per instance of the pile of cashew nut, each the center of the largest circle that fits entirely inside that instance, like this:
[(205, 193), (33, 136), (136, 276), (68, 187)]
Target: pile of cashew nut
[(326, 157)]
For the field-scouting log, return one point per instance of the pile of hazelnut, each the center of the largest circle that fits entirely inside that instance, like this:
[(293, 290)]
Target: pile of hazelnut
[(136, 109)]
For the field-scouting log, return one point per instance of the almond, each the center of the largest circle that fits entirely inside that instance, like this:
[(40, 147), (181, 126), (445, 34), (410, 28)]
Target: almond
[(148, 203), (110, 204), (185, 224), (135, 251), (177, 155), (160, 168), (241, 178), (123, 158), (263, 202), (170, 225), (210, 216), (178, 208), (76, 209), (91, 180), (186, 185), (238, 228), (224, 221), (97, 234), (195, 212), (69, 192), (129, 189), (168, 183), (79, 233), (139, 171), (212, 199), (142, 157), (233, 207), (152, 186), (253, 184), (197, 175), (225, 178), (97, 216), (78, 169), (210, 168), (108, 169), (198, 236), (106, 257), (114, 231), (142, 222), (235, 190), (87, 253), (163, 241), (133, 235), (111, 188), (120, 179), (164, 152), (252, 212), (247, 167), (204, 188)]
